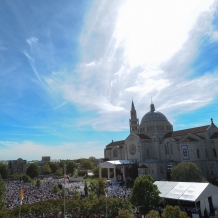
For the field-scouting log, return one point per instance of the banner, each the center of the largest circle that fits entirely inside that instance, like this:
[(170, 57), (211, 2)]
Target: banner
[(185, 152)]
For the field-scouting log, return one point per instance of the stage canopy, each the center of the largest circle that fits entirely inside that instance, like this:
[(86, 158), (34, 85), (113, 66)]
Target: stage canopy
[(114, 163), (186, 191)]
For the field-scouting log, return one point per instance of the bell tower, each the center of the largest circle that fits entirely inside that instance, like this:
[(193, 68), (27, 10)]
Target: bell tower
[(134, 121)]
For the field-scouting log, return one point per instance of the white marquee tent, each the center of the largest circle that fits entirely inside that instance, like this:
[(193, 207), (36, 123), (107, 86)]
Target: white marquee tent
[(189, 191)]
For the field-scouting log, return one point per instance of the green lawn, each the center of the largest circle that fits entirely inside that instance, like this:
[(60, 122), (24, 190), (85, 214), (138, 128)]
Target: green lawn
[(91, 179)]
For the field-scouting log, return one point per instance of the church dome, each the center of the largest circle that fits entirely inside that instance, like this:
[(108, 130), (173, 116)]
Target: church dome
[(153, 116)]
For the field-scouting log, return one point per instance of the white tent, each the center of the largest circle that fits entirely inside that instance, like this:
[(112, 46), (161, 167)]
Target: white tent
[(189, 191)]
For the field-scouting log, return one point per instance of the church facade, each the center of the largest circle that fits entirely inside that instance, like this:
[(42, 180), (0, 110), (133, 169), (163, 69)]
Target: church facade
[(156, 148)]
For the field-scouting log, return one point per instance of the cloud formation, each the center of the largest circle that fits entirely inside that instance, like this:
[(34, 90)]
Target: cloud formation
[(127, 58)]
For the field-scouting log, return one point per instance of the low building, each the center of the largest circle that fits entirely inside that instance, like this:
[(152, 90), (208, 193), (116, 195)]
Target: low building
[(17, 166)]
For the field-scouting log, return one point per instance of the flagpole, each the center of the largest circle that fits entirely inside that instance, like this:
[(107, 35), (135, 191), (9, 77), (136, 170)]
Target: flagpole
[(105, 193), (106, 206), (19, 209), (21, 198), (64, 186)]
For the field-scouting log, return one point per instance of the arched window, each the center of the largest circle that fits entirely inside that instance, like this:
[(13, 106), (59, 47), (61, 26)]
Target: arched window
[(168, 148), (165, 149), (171, 149), (115, 152), (198, 153), (148, 152), (214, 152)]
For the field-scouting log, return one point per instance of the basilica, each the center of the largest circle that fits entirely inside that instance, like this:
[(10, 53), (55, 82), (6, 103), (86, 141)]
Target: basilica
[(156, 148)]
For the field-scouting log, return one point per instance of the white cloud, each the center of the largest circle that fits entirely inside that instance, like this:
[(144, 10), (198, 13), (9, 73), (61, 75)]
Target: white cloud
[(32, 40), (14, 150), (142, 53)]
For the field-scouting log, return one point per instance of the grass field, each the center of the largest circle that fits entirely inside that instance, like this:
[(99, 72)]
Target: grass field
[(91, 179)]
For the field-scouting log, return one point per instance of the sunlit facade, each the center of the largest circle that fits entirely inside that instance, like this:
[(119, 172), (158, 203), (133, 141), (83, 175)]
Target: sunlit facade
[(156, 148)]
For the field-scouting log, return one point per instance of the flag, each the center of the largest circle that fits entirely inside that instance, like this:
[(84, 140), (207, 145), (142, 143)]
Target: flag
[(21, 193), (105, 191)]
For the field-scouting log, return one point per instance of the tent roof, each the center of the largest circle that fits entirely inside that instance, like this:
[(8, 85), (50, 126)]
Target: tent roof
[(186, 191), (113, 163)]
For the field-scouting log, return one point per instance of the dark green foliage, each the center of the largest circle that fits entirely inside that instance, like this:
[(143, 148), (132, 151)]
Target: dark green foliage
[(33, 170), (53, 167), (82, 173), (97, 187), (46, 169), (186, 172), (133, 171), (145, 194), (70, 167), (51, 208), (76, 195), (26, 178), (2, 193), (59, 172), (55, 189), (86, 163), (4, 171), (124, 214), (38, 183), (86, 189), (153, 214), (173, 212)]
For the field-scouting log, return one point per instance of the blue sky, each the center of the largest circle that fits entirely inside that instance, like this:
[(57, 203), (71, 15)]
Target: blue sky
[(69, 71)]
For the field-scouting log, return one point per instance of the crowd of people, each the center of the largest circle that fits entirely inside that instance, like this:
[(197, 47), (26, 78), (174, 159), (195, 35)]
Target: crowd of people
[(117, 191), (33, 194)]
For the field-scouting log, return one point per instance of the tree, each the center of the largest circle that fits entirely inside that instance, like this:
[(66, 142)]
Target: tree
[(26, 178), (86, 189), (145, 194), (59, 172), (38, 183), (53, 167), (86, 163), (71, 165), (4, 171), (76, 195), (124, 214), (153, 214), (55, 189), (173, 212), (64, 192), (186, 172), (2, 193), (46, 169), (97, 187), (33, 170)]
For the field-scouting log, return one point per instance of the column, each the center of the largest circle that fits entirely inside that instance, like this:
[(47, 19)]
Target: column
[(124, 176), (115, 176), (99, 171), (108, 173)]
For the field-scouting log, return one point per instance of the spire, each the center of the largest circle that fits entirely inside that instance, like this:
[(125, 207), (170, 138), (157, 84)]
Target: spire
[(152, 107), (212, 121), (133, 107)]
